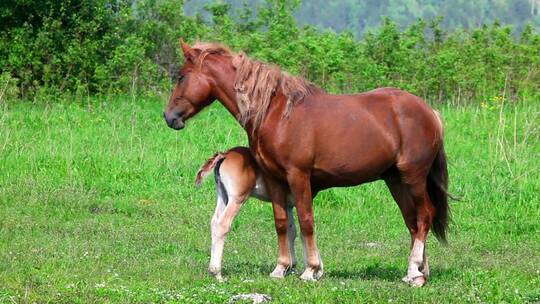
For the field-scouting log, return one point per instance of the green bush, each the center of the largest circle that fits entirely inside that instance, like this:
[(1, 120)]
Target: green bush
[(100, 47), (9, 88)]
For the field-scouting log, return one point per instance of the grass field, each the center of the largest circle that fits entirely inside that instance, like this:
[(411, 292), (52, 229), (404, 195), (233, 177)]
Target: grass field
[(98, 204)]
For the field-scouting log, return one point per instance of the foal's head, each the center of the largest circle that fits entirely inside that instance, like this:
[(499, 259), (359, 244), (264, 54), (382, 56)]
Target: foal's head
[(196, 84)]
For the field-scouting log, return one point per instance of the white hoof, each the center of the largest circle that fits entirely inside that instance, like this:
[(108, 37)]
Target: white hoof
[(312, 275), (279, 272), (418, 281), (219, 278), (216, 273)]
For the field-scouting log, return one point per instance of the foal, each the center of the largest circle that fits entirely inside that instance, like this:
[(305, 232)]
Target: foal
[(238, 178)]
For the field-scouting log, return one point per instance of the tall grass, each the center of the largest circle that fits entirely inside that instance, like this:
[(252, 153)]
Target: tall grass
[(97, 204)]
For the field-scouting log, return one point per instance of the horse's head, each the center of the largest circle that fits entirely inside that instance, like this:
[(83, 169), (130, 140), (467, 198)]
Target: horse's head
[(192, 91), (244, 86)]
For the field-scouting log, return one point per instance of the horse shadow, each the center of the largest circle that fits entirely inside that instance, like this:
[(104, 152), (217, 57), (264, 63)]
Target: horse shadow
[(247, 268), (376, 272), (385, 273), (371, 272)]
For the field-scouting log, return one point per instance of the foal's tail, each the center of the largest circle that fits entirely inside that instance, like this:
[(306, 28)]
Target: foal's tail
[(207, 167), (437, 188)]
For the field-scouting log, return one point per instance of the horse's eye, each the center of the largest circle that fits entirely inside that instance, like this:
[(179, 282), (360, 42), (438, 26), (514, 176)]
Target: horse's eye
[(181, 78)]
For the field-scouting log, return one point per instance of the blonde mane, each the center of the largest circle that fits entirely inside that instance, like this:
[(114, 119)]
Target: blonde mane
[(256, 83)]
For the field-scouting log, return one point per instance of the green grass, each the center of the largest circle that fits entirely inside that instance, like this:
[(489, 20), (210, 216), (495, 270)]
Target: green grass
[(97, 204)]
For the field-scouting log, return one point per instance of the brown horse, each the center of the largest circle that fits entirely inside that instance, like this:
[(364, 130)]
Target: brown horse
[(309, 140)]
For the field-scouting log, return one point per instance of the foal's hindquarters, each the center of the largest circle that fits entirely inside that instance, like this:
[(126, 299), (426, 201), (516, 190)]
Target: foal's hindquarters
[(238, 178)]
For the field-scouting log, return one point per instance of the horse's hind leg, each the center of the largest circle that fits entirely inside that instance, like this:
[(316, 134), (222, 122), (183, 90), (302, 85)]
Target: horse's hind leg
[(220, 226), (215, 262), (417, 212), (425, 213)]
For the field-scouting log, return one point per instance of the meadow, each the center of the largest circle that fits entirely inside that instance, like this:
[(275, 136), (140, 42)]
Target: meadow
[(98, 205)]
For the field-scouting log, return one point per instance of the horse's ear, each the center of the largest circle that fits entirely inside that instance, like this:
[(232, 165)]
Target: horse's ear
[(185, 47), (187, 50)]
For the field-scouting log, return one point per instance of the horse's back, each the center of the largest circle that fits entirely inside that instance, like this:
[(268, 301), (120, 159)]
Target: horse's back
[(412, 116), (358, 137)]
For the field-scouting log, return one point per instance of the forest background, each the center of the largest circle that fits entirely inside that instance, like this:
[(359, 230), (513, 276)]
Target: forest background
[(452, 51)]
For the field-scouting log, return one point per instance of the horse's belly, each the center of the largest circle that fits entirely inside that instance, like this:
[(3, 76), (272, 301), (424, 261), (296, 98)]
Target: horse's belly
[(355, 160), (350, 174)]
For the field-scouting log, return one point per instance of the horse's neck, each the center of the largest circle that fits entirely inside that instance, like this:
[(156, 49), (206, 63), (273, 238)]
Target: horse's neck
[(278, 108), (228, 100)]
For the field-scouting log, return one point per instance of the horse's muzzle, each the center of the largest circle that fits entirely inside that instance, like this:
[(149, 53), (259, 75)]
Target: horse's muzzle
[(174, 121)]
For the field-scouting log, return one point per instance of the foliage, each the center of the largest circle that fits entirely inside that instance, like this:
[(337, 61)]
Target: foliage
[(8, 87), (360, 16), (87, 47)]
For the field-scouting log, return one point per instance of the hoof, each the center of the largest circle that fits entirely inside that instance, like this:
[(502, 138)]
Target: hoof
[(216, 273), (280, 271), (425, 270), (219, 278), (416, 281), (311, 275), (292, 270)]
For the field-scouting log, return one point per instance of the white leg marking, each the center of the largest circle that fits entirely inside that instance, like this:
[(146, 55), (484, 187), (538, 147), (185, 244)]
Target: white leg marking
[(220, 228), (215, 262), (280, 271), (416, 260), (309, 273)]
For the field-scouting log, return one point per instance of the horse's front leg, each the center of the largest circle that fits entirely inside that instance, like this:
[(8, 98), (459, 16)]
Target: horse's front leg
[(300, 185), (279, 205)]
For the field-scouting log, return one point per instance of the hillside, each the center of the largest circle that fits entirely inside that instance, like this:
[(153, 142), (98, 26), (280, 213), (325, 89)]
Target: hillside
[(359, 16)]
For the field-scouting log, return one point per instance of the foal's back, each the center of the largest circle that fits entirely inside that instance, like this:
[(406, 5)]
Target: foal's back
[(236, 174)]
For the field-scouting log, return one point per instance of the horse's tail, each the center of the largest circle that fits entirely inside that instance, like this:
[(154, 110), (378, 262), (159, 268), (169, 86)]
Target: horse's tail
[(206, 168), (437, 188)]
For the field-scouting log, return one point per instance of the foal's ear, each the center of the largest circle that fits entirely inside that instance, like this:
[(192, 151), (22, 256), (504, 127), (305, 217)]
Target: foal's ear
[(187, 50)]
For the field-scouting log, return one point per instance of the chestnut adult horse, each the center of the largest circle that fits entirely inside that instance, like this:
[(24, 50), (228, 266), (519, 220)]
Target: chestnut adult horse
[(307, 140)]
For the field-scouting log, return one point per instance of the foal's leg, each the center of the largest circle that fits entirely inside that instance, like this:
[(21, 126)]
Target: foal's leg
[(215, 262), (418, 221), (221, 225), (299, 183), (291, 235)]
